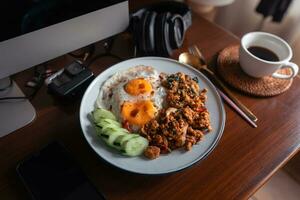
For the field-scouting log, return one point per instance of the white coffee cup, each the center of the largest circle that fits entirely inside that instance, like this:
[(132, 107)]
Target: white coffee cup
[(257, 67)]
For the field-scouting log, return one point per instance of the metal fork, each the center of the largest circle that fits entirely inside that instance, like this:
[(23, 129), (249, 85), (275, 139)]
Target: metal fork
[(196, 52)]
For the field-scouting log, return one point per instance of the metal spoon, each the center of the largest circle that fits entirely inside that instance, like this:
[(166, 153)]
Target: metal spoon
[(195, 61)]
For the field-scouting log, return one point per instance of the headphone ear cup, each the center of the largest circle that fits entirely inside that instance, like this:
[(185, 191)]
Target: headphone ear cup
[(162, 35), (176, 30), (158, 34), (142, 32), (149, 31), (167, 46), (134, 23), (137, 27)]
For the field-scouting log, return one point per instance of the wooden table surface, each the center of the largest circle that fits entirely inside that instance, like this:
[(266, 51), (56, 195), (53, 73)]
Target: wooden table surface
[(244, 159)]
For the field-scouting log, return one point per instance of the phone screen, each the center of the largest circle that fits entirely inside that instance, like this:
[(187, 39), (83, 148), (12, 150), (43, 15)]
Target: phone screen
[(53, 174)]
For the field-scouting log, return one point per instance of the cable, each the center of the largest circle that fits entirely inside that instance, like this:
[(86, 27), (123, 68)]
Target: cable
[(102, 55), (91, 49), (29, 97), (40, 77), (12, 98), (107, 46)]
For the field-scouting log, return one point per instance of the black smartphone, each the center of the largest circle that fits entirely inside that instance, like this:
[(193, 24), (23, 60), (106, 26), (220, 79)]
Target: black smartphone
[(53, 174)]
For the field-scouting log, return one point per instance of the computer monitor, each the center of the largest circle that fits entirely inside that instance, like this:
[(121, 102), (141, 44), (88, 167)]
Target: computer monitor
[(35, 31)]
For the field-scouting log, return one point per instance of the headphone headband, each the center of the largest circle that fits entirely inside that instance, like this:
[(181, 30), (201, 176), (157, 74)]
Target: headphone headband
[(159, 28), (169, 6)]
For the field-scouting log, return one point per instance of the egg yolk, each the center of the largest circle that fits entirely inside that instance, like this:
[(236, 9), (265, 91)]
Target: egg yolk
[(138, 86), (138, 113)]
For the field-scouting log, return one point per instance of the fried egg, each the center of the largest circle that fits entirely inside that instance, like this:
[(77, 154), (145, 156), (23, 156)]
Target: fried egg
[(135, 96)]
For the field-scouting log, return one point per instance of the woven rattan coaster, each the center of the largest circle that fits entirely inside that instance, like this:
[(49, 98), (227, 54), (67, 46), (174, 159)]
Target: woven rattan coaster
[(230, 70)]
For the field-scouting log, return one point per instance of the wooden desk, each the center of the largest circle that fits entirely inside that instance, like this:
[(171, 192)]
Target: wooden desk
[(243, 160)]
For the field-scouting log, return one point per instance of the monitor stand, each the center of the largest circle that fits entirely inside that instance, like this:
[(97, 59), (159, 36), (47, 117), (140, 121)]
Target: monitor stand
[(14, 114)]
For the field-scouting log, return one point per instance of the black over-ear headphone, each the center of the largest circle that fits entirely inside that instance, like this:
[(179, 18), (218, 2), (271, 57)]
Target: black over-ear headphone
[(160, 28)]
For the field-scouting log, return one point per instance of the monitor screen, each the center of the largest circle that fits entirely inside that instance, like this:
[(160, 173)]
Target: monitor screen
[(35, 31), (24, 16)]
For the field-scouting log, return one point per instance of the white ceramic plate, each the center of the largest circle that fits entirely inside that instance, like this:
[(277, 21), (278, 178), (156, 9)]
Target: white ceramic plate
[(176, 160)]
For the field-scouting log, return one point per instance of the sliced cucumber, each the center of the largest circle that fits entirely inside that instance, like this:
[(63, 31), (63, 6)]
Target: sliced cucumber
[(110, 131), (98, 130), (122, 138), (108, 123), (135, 146), (100, 113), (114, 129), (115, 136), (107, 126), (112, 137), (105, 133)]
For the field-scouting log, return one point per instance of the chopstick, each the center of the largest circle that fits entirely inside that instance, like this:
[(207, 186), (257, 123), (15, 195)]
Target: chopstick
[(236, 108), (195, 51), (234, 103)]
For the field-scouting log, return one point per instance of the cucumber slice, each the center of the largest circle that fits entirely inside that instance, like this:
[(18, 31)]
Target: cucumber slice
[(105, 133), (115, 136), (108, 123), (106, 126), (100, 113), (122, 138), (112, 137), (98, 130), (114, 127), (112, 133), (110, 130), (135, 146)]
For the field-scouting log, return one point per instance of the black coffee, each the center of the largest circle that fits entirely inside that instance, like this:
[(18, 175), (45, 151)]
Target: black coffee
[(263, 53)]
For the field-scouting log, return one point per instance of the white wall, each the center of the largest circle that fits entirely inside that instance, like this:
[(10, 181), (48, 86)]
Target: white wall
[(240, 18)]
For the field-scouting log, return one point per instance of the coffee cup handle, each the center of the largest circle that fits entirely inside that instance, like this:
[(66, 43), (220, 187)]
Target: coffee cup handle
[(294, 67)]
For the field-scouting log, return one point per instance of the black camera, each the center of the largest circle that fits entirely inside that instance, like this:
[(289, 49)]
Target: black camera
[(71, 81)]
